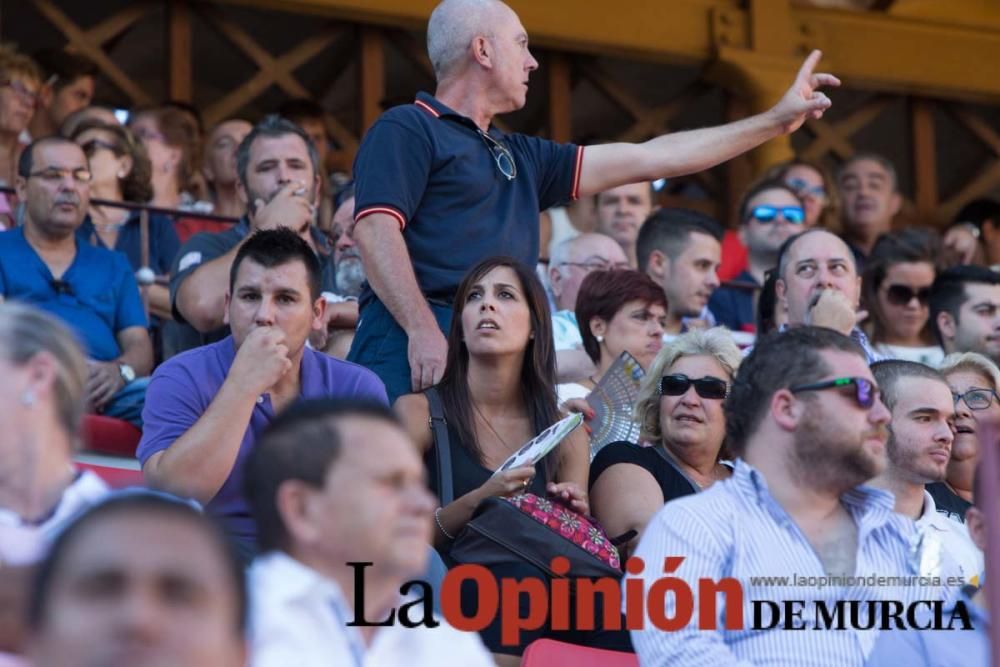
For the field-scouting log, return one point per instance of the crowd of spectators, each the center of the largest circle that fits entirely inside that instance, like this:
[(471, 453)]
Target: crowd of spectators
[(331, 370)]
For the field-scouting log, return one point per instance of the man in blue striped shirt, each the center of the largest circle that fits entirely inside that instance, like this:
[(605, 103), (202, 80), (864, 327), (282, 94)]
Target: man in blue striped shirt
[(823, 563)]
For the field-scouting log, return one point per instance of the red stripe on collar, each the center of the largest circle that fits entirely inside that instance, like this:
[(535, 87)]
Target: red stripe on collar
[(428, 108)]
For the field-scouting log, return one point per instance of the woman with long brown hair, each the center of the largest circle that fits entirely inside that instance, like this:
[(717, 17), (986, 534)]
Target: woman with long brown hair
[(497, 392)]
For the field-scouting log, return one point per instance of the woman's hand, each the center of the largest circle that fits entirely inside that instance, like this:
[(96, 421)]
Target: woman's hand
[(571, 494), (508, 483), (583, 407)]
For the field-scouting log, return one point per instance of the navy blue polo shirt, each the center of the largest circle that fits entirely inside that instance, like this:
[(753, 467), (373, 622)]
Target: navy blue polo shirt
[(734, 308), (428, 167), (99, 296), (163, 241)]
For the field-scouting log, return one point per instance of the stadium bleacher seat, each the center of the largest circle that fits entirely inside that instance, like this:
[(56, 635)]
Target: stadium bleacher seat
[(108, 435), (547, 652)]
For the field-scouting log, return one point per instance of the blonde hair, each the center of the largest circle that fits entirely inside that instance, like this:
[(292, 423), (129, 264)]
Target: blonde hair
[(14, 63), (716, 343), (974, 363), (25, 332)]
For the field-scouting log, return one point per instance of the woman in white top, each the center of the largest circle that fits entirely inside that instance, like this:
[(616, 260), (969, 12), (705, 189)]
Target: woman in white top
[(895, 289)]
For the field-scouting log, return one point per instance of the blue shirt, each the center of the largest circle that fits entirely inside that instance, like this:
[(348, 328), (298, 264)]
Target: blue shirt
[(954, 647), (97, 296), (163, 241), (429, 167), (184, 386), (733, 308), (736, 528)]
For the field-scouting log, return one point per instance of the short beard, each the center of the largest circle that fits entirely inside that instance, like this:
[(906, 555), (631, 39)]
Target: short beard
[(830, 459), (349, 274)]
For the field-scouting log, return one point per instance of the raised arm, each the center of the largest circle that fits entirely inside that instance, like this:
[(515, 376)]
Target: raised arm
[(610, 165), (390, 274)]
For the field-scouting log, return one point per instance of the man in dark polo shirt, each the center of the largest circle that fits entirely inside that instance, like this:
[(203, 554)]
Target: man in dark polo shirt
[(439, 188), (277, 166), (208, 406)]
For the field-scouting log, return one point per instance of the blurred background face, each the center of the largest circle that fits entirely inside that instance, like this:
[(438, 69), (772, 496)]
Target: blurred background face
[(622, 210), (316, 131), (690, 420), (496, 318), (18, 97), (765, 238), (637, 328), (163, 157), (71, 98), (346, 256), (905, 319), (808, 185), (588, 252), (132, 591), (107, 165), (869, 197), (968, 422), (220, 156)]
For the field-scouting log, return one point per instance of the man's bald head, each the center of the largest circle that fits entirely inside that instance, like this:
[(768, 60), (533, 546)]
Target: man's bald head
[(574, 258), (808, 265), (452, 27)]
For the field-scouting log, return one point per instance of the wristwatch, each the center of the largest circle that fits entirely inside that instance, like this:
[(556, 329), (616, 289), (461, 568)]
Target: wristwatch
[(127, 372)]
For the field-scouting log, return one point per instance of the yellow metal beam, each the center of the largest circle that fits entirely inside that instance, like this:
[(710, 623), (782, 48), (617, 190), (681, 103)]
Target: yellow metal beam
[(927, 51)]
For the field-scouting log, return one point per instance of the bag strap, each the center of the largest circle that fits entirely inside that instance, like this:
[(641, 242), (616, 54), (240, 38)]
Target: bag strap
[(442, 445)]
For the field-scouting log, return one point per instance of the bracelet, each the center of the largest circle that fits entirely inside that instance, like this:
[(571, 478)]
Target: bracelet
[(437, 518)]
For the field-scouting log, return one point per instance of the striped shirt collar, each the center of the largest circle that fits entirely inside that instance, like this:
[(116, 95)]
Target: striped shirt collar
[(434, 107)]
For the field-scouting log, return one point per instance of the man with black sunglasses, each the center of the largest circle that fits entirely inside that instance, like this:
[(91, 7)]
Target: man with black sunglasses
[(965, 310), (805, 420), (440, 188), (92, 289)]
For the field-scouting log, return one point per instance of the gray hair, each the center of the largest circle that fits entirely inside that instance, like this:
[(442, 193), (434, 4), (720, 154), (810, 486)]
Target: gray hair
[(716, 342), (452, 27), (25, 332), (972, 362)]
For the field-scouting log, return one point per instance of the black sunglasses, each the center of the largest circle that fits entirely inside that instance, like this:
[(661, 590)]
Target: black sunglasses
[(900, 295), (92, 146), (501, 155), (706, 387), (864, 390)]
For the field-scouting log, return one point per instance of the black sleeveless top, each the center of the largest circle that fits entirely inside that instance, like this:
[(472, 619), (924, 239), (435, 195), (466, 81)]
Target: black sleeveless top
[(467, 473), (673, 483)]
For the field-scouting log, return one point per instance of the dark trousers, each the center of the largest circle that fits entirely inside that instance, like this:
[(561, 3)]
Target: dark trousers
[(380, 345)]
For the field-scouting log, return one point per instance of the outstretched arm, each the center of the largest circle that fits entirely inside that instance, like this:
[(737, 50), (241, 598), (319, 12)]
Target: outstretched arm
[(610, 165)]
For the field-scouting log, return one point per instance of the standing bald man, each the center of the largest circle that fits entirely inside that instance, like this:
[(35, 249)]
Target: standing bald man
[(439, 188)]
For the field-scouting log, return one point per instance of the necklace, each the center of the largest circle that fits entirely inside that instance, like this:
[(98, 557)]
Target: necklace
[(490, 426)]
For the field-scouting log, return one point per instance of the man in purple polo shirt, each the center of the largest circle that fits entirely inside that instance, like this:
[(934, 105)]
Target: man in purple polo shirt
[(205, 408)]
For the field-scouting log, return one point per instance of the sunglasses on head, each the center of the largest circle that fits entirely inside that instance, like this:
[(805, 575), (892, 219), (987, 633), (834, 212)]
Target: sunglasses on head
[(792, 214), (864, 390), (803, 188), (900, 295), (706, 387), (92, 146)]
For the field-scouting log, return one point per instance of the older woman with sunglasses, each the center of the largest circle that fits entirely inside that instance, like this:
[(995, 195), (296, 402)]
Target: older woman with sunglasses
[(680, 410), (974, 381), (120, 172), (895, 290), (20, 81)]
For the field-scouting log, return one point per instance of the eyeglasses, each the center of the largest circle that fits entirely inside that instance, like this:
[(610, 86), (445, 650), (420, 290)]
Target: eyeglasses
[(706, 387), (62, 287), (501, 155), (54, 174), (92, 146), (598, 265), (146, 134), (802, 188), (900, 295), (793, 214), (25, 93), (976, 398), (864, 390)]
